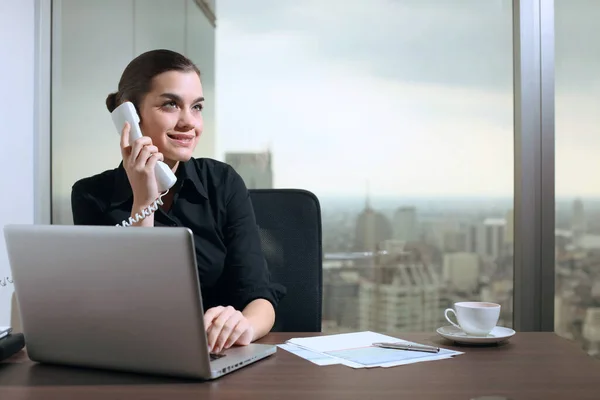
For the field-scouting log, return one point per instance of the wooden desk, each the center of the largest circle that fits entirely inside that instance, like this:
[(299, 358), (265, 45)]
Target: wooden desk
[(537, 366)]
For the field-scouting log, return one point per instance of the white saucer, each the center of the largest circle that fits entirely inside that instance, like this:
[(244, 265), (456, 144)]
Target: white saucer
[(497, 335)]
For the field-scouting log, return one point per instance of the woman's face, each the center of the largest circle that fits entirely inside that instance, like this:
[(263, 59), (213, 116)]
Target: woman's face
[(171, 114)]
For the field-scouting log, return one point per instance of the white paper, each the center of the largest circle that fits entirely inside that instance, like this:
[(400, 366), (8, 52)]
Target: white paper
[(315, 358), (6, 291), (422, 359), (4, 331), (356, 349)]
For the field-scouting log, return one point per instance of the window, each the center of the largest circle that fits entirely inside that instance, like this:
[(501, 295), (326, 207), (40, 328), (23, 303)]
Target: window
[(577, 293), (399, 117)]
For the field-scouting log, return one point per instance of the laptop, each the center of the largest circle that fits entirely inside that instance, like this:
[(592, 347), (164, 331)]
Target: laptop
[(115, 298)]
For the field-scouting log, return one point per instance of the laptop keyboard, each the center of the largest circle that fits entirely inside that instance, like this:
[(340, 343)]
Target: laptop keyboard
[(215, 356)]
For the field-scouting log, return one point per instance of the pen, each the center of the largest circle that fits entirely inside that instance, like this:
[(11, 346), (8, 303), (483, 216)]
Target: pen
[(408, 346)]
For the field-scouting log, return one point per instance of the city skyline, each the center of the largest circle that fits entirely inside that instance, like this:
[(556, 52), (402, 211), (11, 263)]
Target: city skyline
[(459, 256)]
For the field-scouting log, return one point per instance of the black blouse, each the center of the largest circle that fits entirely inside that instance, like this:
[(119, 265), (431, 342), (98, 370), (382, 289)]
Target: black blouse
[(211, 200)]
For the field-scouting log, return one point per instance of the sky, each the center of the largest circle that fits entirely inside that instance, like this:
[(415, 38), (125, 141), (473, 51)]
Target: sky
[(413, 96)]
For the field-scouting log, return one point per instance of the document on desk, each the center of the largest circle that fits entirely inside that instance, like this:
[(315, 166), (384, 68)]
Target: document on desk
[(4, 331), (356, 350), (313, 357)]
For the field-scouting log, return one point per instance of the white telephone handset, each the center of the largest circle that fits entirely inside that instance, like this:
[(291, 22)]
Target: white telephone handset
[(165, 178)]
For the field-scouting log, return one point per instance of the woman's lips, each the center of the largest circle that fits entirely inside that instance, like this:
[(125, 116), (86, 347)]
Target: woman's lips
[(181, 139)]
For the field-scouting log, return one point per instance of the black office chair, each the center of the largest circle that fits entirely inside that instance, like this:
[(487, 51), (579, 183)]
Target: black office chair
[(289, 221)]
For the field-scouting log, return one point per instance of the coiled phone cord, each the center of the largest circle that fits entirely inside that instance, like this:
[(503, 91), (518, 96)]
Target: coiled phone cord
[(145, 212)]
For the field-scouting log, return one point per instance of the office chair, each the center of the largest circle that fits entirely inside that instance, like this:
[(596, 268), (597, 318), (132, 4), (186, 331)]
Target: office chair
[(289, 222)]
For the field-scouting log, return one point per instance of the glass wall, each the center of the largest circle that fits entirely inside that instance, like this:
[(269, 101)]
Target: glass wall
[(577, 296), (92, 42), (399, 117)]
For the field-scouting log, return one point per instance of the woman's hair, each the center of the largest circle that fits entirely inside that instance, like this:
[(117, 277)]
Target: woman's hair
[(136, 80)]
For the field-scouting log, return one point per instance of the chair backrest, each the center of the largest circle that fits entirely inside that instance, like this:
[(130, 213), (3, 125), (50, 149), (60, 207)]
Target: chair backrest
[(289, 221)]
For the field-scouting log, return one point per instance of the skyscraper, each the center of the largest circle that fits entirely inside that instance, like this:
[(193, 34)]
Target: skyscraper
[(578, 223), (255, 168), (405, 224)]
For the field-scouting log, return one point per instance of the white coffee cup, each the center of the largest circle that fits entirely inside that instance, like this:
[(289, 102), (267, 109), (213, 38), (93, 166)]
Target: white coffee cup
[(475, 318)]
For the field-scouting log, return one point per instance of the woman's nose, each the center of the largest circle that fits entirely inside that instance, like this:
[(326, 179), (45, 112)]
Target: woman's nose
[(186, 121)]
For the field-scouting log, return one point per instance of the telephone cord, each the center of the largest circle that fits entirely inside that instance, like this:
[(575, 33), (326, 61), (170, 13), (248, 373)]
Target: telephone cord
[(145, 212)]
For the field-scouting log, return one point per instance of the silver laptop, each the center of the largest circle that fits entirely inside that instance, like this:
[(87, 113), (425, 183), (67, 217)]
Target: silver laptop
[(116, 298)]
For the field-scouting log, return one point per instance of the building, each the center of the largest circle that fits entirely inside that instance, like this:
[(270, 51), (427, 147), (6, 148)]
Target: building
[(256, 169), (405, 224), (509, 231), (578, 220), (340, 295), (372, 228), (591, 330), (405, 295), (461, 272), (488, 238)]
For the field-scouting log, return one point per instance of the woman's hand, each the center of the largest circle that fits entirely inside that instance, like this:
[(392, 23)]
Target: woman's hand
[(226, 326), (139, 161)]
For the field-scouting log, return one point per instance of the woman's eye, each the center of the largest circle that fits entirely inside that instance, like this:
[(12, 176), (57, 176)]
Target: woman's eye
[(170, 104), (198, 107)]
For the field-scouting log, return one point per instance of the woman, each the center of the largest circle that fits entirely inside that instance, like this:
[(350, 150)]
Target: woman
[(209, 198)]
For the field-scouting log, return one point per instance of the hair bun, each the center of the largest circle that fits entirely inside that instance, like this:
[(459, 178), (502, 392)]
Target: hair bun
[(111, 102)]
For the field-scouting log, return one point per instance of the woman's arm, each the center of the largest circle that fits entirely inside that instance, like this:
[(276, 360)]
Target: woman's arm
[(261, 315), (251, 295), (227, 326)]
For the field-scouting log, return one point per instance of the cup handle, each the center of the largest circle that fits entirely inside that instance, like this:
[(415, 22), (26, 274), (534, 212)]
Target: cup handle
[(448, 310)]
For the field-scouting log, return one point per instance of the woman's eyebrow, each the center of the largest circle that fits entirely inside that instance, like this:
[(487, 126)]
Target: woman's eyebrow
[(178, 98)]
